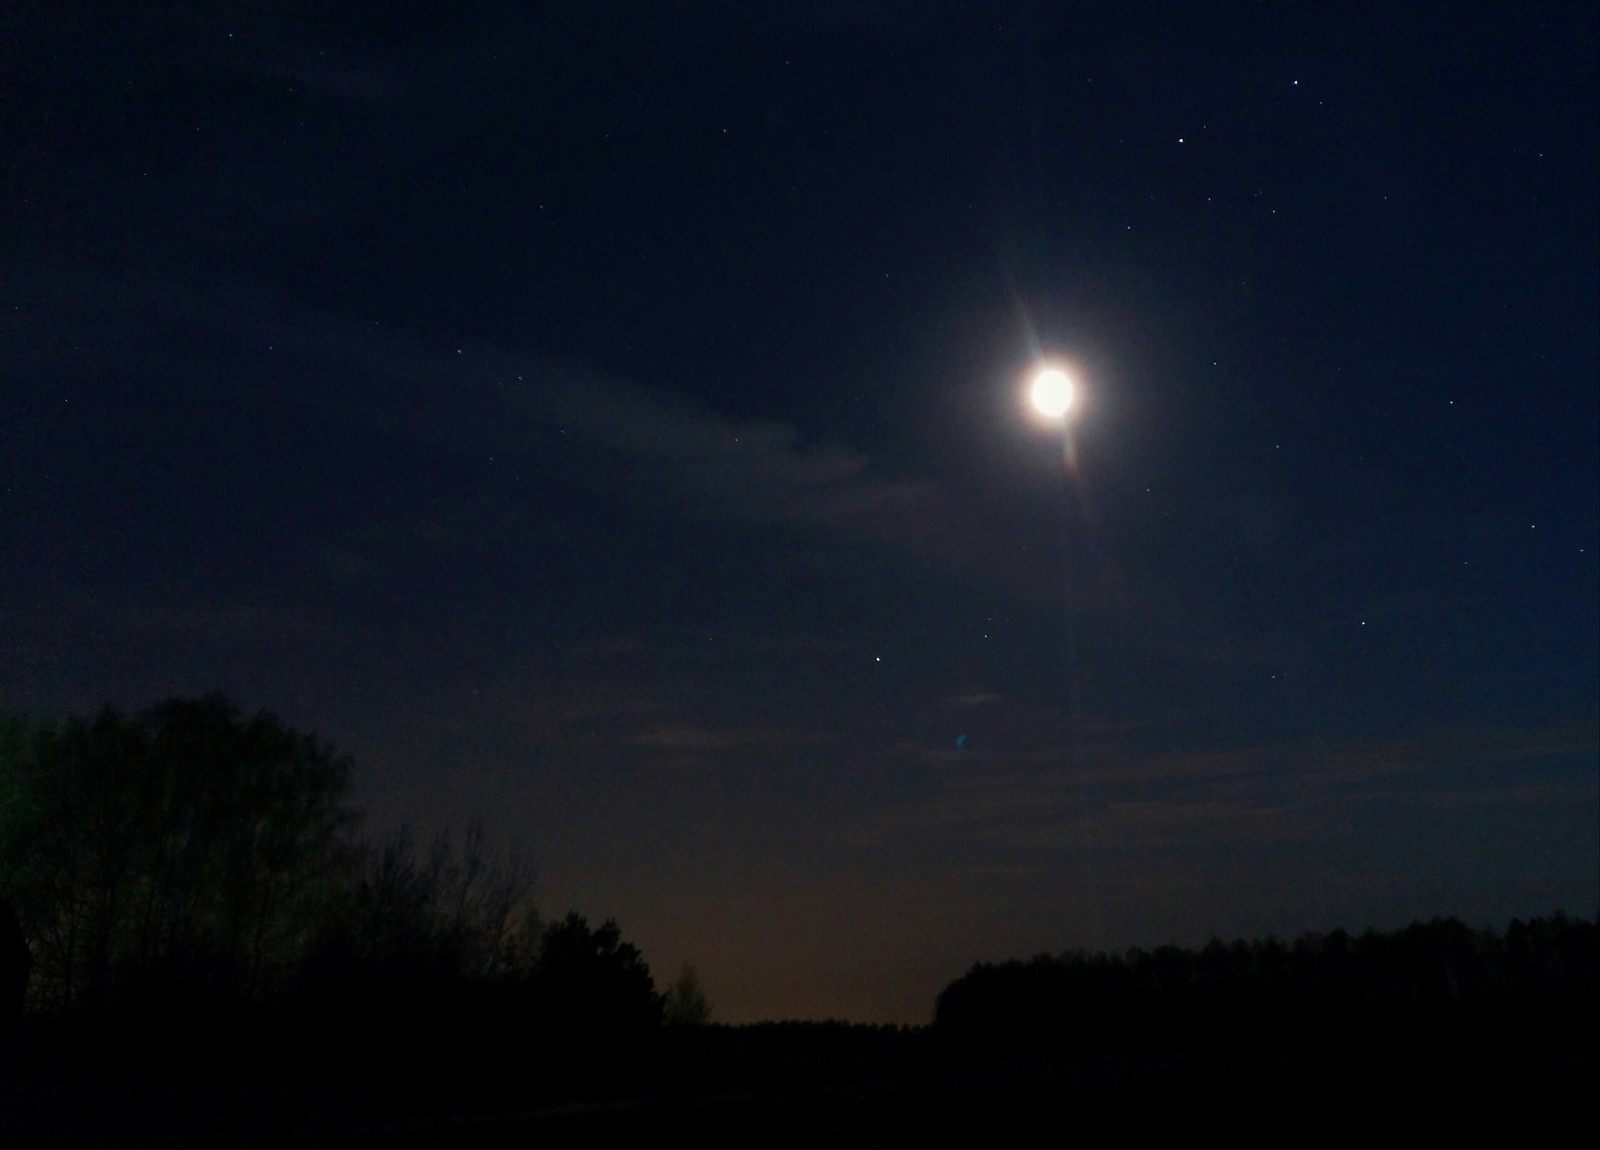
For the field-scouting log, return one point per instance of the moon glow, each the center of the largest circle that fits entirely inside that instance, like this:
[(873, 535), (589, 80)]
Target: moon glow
[(1051, 393)]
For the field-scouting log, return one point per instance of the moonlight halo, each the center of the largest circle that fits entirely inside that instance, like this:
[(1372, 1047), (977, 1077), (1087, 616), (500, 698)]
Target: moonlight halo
[(1051, 392)]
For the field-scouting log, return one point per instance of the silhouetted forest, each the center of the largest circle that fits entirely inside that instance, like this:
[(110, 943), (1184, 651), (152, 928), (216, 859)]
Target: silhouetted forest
[(190, 880), (1439, 984), (187, 894)]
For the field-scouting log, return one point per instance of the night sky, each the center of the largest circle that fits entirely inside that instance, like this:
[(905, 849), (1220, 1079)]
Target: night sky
[(609, 419)]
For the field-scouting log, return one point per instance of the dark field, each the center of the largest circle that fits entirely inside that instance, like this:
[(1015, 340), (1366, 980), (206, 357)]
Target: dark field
[(851, 1085)]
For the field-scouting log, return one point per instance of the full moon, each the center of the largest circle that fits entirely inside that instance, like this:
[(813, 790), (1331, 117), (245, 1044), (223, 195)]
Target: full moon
[(1052, 392)]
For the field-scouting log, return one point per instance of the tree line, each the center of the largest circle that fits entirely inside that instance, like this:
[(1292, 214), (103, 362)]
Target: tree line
[(194, 867), (188, 873), (1438, 984)]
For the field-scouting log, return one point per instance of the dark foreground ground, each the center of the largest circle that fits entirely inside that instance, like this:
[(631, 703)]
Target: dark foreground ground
[(731, 1094)]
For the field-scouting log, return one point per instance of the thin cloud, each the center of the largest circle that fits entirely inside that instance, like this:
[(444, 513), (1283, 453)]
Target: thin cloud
[(701, 739), (575, 425), (645, 444), (1266, 791)]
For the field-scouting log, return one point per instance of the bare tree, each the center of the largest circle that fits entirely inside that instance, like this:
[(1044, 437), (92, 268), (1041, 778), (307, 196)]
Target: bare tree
[(685, 1002), (185, 845)]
